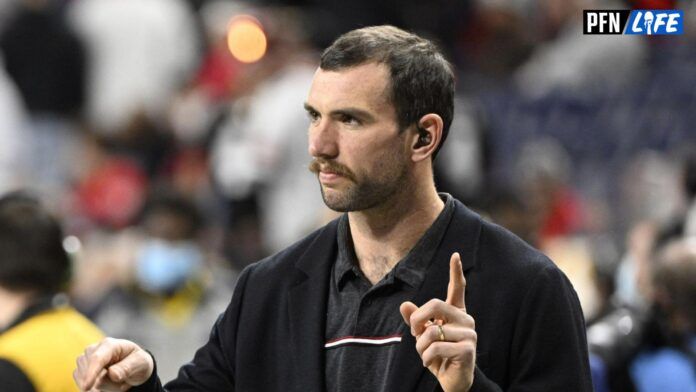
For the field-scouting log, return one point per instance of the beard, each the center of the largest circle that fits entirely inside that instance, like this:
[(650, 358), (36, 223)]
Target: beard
[(363, 191)]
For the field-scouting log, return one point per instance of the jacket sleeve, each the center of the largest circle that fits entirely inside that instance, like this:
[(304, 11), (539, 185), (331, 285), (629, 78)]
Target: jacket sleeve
[(212, 368), (13, 378), (483, 383), (549, 349)]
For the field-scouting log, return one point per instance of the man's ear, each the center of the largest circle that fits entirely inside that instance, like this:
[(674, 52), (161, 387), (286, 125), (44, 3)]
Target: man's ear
[(427, 136)]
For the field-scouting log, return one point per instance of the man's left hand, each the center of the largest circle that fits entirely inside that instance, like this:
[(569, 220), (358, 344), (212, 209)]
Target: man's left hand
[(445, 335)]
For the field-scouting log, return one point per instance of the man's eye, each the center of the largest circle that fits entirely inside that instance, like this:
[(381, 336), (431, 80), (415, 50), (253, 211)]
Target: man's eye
[(313, 116), (349, 120)]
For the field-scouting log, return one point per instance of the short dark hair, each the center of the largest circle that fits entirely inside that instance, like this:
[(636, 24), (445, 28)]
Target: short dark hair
[(32, 257), (169, 202), (422, 80)]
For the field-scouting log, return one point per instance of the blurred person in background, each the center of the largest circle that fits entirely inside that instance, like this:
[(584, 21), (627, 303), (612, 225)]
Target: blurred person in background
[(666, 360), (39, 333), (568, 60), (463, 164), (170, 291), (495, 41), (683, 221), (139, 52), (258, 156), (543, 178), (654, 188), (111, 187), (213, 83), (556, 214), (651, 286), (46, 60), (196, 117), (506, 207)]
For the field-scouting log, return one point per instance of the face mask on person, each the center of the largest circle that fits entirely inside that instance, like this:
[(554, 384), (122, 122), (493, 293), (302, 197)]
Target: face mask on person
[(163, 266)]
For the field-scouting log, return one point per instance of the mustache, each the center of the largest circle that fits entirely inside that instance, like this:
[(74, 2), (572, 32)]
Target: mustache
[(319, 164)]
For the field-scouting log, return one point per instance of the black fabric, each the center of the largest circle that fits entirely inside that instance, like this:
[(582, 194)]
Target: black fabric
[(531, 333), (358, 309), (13, 379)]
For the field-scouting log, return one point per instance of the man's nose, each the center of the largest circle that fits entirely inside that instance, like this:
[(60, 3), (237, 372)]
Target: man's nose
[(322, 140)]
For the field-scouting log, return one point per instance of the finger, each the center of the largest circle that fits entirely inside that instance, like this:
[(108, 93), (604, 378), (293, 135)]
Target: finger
[(436, 309), (84, 382), (120, 372), (76, 377), (104, 384), (97, 361), (97, 382), (82, 365), (90, 349), (135, 369), (451, 332), (457, 283), (407, 308), (462, 352)]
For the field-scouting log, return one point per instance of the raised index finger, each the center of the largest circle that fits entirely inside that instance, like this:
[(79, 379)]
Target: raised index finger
[(457, 283)]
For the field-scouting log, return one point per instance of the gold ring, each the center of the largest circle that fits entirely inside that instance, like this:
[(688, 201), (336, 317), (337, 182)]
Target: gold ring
[(441, 332)]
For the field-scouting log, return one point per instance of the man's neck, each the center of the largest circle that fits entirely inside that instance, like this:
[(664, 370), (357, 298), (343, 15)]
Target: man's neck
[(11, 306), (385, 234)]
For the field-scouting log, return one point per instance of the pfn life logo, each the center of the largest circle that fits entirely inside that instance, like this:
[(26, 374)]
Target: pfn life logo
[(633, 22)]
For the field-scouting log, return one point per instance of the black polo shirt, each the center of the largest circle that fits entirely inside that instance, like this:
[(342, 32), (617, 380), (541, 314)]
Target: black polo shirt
[(364, 324)]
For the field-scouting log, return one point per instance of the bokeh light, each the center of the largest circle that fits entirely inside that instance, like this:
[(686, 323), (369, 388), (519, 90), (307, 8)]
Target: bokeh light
[(246, 39), (72, 244)]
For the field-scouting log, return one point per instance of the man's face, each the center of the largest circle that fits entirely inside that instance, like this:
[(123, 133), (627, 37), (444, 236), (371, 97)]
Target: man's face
[(360, 157)]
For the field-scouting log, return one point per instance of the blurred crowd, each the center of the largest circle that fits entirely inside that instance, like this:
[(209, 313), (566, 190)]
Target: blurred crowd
[(173, 164)]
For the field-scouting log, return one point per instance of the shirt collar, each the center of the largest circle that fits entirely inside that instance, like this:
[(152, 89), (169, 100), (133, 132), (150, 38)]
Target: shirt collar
[(346, 263), (412, 268)]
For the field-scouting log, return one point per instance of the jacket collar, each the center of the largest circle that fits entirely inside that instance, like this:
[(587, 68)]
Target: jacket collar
[(307, 306), (462, 236)]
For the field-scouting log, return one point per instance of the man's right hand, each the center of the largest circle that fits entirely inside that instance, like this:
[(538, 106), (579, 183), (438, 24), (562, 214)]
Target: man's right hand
[(113, 365)]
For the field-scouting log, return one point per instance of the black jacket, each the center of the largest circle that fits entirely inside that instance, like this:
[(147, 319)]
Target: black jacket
[(531, 333)]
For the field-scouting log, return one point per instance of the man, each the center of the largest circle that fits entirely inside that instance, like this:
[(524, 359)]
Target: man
[(39, 336), (322, 314), (665, 359)]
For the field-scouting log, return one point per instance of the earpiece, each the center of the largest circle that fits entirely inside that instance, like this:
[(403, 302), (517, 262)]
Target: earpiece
[(423, 138)]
